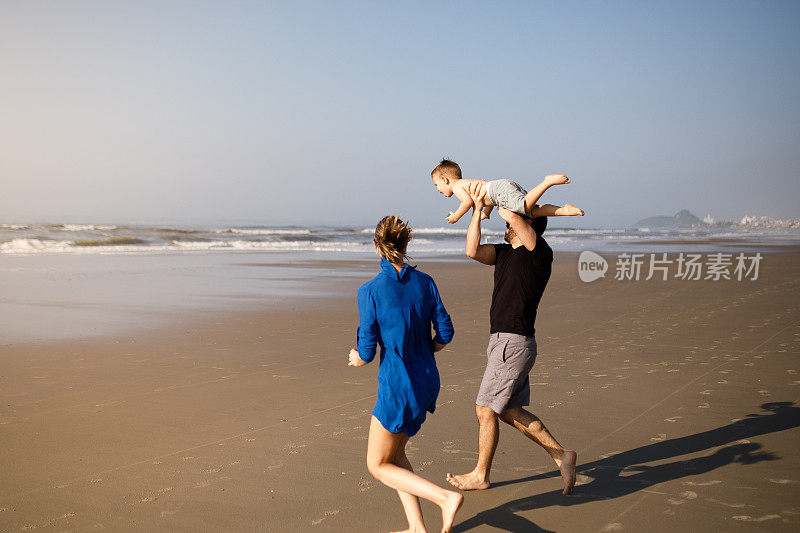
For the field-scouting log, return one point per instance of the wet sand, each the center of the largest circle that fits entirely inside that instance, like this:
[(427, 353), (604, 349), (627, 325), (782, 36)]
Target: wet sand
[(682, 399)]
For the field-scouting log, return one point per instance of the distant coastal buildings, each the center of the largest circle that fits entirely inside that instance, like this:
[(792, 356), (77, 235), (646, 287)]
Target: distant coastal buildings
[(685, 219), (768, 222)]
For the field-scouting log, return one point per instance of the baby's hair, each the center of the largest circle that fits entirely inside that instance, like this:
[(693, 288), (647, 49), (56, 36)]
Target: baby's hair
[(447, 168), (391, 237)]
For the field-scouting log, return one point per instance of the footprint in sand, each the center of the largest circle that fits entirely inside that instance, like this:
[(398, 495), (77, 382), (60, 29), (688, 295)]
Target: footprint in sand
[(764, 392), (704, 405), (707, 392), (745, 518), (782, 481), (327, 514), (702, 484), (609, 454), (732, 505), (659, 437), (616, 526), (684, 497), (673, 419)]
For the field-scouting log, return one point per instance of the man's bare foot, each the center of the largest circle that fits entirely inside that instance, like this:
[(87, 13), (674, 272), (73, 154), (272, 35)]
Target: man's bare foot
[(566, 464), (449, 509), (572, 211), (556, 179), (469, 481)]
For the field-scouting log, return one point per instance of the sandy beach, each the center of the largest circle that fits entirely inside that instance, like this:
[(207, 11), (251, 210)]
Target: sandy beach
[(682, 399)]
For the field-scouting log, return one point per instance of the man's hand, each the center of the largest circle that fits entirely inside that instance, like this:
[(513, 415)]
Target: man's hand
[(556, 179), (355, 359), (474, 190)]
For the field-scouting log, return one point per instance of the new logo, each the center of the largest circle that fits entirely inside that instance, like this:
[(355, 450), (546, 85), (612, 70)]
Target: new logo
[(591, 266)]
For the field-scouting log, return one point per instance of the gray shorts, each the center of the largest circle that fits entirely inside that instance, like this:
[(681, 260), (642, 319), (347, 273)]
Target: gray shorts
[(508, 194), (505, 383)]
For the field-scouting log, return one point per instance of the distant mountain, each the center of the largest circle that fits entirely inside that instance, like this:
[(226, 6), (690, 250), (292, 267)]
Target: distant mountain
[(682, 219)]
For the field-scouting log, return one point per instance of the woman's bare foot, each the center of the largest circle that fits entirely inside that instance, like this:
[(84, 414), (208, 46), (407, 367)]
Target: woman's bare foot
[(572, 211), (469, 481), (449, 509), (566, 464)]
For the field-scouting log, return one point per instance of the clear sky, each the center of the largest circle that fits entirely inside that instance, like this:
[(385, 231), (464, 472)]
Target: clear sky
[(335, 112)]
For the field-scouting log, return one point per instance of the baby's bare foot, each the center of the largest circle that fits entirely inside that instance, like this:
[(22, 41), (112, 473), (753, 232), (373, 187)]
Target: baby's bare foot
[(484, 216), (556, 179), (469, 481), (566, 464), (572, 211), (449, 510)]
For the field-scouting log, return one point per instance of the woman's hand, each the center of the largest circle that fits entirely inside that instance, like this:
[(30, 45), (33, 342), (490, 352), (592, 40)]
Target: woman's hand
[(355, 359)]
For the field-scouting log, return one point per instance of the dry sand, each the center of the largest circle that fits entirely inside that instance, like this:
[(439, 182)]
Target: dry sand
[(681, 398)]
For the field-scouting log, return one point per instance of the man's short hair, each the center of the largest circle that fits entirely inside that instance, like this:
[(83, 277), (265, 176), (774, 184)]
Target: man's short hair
[(539, 225), (448, 168)]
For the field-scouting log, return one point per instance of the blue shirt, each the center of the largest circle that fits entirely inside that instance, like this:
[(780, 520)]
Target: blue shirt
[(396, 312)]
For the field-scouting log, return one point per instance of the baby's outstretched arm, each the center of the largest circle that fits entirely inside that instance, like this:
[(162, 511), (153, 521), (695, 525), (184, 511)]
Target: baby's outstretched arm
[(466, 204), (550, 210)]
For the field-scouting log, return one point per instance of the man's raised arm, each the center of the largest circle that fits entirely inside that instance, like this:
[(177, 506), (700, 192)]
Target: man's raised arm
[(483, 253), (520, 227)]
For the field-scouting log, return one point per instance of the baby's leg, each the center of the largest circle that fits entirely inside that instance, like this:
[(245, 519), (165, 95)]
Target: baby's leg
[(534, 194), (487, 210), (550, 210)]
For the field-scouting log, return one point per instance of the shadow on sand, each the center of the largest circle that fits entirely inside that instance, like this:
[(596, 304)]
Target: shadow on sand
[(626, 472)]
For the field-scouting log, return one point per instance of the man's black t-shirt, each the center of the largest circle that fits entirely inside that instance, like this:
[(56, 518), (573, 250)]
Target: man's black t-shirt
[(520, 276)]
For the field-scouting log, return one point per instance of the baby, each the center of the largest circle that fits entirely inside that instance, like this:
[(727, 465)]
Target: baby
[(503, 193)]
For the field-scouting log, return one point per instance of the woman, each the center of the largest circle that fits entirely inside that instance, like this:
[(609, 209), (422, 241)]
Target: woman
[(396, 309)]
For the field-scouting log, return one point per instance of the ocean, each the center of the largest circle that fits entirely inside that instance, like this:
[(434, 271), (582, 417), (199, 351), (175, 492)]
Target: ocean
[(84, 280), (357, 241)]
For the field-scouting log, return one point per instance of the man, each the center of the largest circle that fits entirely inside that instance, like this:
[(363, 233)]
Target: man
[(522, 269)]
